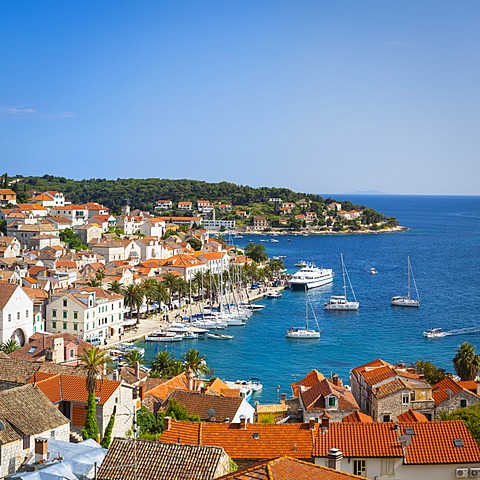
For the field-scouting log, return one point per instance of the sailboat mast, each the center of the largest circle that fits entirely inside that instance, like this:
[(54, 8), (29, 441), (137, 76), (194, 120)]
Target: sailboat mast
[(343, 275), (408, 272)]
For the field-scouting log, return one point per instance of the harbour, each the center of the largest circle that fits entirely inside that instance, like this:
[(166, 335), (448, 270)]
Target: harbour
[(446, 266)]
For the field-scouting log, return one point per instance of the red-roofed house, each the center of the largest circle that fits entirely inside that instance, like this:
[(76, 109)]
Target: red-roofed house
[(410, 451), (69, 393), (48, 199), (7, 196), (384, 391), (450, 395)]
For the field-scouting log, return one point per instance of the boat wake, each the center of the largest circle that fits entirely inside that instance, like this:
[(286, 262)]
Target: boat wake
[(462, 331)]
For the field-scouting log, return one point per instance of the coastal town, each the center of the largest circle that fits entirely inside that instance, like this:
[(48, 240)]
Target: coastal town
[(78, 285)]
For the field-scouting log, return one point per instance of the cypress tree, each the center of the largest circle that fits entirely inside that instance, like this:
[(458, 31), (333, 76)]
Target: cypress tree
[(91, 427), (107, 438)]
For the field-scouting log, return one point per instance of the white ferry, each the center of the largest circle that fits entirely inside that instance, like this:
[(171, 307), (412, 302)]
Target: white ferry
[(310, 276)]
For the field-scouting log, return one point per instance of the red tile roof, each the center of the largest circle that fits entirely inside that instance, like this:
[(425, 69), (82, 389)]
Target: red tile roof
[(432, 442), (256, 441), (358, 417), (446, 389), (411, 416)]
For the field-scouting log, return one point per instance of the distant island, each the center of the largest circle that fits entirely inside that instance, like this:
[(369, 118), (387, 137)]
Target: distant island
[(227, 205)]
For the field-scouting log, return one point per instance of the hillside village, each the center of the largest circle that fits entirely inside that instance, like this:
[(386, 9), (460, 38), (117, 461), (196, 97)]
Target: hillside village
[(74, 277)]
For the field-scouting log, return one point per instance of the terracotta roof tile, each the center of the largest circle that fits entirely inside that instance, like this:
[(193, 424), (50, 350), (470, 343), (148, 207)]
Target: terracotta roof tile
[(358, 417), (431, 444), (286, 468), (256, 441), (394, 386), (445, 389), (411, 416)]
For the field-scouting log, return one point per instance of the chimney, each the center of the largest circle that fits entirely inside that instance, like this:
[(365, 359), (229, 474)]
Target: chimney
[(283, 398), (335, 379), (115, 375), (137, 369), (334, 458), (311, 424), (58, 350), (167, 424), (189, 375), (41, 449), (243, 422), (325, 420), (142, 392)]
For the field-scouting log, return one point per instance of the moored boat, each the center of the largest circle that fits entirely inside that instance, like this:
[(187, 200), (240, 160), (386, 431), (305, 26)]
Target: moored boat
[(340, 302), (310, 276), (162, 336), (219, 336), (273, 294), (402, 301)]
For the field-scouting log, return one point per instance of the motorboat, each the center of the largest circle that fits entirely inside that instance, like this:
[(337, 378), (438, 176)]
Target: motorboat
[(273, 294), (129, 347), (273, 240), (252, 306), (305, 332), (254, 384), (219, 336), (301, 264), (434, 333), (163, 336), (245, 390), (401, 301), (310, 276), (373, 271), (340, 302)]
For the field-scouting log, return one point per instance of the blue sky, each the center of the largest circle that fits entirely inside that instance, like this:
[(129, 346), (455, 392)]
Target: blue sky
[(317, 96)]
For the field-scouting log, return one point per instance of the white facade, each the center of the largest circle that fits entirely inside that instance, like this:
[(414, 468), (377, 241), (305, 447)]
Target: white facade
[(218, 224), (16, 314), (87, 313), (153, 228)]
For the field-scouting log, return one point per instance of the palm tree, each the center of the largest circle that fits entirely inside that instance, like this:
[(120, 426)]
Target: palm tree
[(170, 281), (133, 298), (94, 282), (149, 289), (195, 362), (9, 346), (115, 287), (162, 362), (161, 293), (93, 361), (176, 368), (466, 362), (133, 357)]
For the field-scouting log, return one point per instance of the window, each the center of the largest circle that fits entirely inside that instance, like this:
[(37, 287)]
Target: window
[(360, 468), (75, 315), (64, 303), (405, 398), (65, 314), (54, 324), (75, 326), (412, 396), (18, 315), (9, 317), (463, 403), (64, 325), (26, 313), (54, 313), (387, 468), (332, 401), (71, 353), (26, 442), (386, 417)]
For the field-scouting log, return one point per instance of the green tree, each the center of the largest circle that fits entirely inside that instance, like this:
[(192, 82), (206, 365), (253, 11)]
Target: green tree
[(256, 251), (150, 290), (192, 360), (72, 240), (93, 361), (179, 412), (133, 298), (432, 374), (133, 357), (9, 346), (115, 287), (466, 362), (107, 437), (469, 415), (162, 363)]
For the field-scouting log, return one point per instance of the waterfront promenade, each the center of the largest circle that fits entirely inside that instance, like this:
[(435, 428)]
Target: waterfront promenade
[(161, 320)]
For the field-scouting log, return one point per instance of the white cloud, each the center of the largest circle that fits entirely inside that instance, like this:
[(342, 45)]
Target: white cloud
[(398, 44), (28, 112)]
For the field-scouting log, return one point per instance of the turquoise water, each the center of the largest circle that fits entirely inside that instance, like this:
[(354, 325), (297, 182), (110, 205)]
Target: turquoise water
[(443, 244)]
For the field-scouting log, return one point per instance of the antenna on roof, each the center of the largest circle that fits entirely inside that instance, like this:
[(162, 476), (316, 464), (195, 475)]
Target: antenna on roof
[(405, 440)]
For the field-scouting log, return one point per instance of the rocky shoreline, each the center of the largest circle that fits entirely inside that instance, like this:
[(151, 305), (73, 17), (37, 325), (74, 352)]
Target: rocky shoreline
[(314, 231)]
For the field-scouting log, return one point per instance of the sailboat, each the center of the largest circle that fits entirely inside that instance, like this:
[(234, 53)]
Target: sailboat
[(340, 302), (304, 332), (400, 301)]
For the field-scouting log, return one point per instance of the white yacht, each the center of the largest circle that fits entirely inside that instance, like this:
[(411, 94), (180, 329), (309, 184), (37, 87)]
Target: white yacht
[(310, 276), (340, 302), (305, 332), (408, 301)]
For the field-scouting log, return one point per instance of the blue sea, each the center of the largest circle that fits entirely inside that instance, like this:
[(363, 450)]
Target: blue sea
[(443, 243)]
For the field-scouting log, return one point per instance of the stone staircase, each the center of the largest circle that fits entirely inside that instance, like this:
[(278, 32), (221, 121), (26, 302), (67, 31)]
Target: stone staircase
[(75, 435)]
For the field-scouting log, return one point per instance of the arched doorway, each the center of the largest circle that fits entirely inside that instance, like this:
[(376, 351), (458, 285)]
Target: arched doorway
[(18, 336)]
